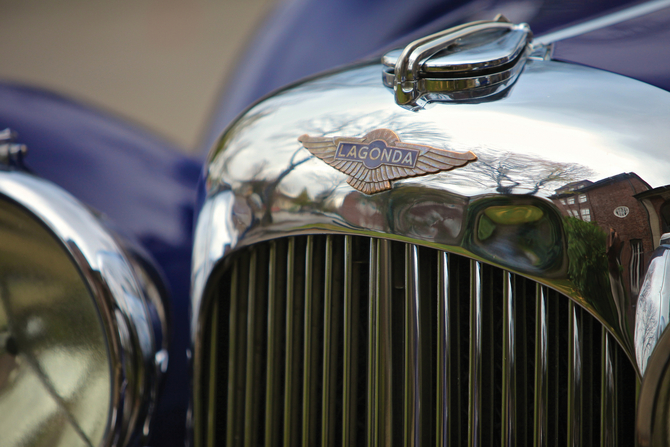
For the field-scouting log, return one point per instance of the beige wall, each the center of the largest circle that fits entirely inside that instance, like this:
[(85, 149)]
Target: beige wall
[(158, 62)]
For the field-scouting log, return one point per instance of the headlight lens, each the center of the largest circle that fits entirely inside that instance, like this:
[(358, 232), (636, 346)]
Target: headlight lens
[(55, 366)]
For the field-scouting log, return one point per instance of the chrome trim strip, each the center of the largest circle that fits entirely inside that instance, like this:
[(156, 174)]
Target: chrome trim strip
[(608, 395), (273, 385), (115, 283), (508, 413), (251, 428), (541, 371), (475, 373), (411, 403), (602, 22), (574, 434), (348, 385), (443, 350), (329, 371)]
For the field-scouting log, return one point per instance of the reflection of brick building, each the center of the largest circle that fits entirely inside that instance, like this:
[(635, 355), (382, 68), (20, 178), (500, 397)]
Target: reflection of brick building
[(611, 203)]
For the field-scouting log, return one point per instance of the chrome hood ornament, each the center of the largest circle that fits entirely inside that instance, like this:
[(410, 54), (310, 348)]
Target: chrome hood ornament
[(469, 62), (378, 158)]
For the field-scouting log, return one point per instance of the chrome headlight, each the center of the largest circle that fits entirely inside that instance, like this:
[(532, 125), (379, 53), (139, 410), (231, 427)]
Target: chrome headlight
[(79, 361)]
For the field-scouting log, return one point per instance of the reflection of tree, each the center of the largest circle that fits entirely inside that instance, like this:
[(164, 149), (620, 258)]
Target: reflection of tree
[(350, 125), (588, 267), (509, 170), (270, 187)]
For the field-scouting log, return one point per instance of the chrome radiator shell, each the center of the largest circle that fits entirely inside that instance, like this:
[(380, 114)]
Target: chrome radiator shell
[(558, 126)]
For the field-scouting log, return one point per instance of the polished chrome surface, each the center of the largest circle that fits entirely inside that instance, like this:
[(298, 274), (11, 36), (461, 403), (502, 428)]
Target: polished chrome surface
[(554, 129), (118, 295), (653, 308), (470, 61)]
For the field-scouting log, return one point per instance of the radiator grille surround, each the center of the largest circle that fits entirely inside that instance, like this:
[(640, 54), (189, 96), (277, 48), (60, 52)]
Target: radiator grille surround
[(347, 340)]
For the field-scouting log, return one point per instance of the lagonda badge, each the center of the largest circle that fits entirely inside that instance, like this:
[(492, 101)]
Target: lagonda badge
[(378, 158)]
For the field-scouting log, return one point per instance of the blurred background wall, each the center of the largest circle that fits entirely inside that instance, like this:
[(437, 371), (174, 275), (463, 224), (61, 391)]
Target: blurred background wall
[(160, 63)]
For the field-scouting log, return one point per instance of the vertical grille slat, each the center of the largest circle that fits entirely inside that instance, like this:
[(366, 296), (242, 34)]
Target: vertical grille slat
[(211, 405), (348, 373), (443, 351), (574, 377), (508, 414), (372, 416), (312, 362), (475, 354), (293, 364), (236, 363), (411, 403), (541, 370), (608, 398), (308, 340), (330, 351), (356, 258), (379, 335), (384, 340), (250, 428), (275, 333), (344, 340)]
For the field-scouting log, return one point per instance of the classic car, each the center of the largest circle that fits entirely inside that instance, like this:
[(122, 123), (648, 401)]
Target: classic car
[(425, 224)]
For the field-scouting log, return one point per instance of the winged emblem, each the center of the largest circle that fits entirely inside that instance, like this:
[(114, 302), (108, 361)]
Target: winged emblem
[(375, 160)]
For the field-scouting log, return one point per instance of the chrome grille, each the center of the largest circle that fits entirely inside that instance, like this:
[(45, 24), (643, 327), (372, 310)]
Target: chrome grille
[(343, 340)]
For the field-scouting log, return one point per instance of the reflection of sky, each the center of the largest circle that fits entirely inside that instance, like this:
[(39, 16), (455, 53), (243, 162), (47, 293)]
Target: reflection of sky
[(556, 113)]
